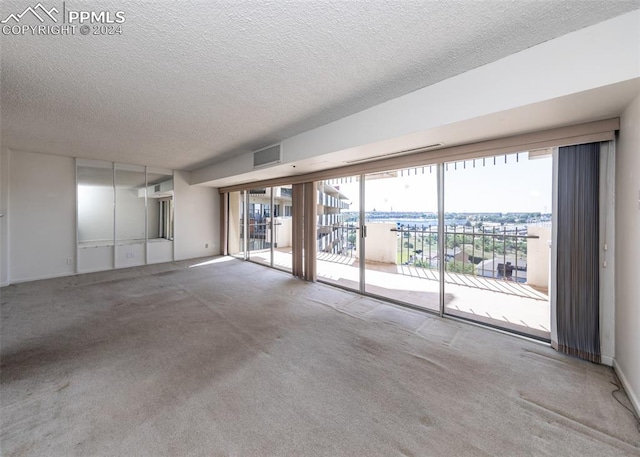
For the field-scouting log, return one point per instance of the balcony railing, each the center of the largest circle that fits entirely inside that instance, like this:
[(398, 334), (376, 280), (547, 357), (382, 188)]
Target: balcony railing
[(337, 238), (259, 235), (491, 252)]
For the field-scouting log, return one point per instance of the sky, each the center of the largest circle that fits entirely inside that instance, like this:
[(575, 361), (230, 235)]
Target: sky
[(512, 187)]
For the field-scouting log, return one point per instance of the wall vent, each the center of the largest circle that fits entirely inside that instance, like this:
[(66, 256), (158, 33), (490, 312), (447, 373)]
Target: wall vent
[(268, 156), (156, 188)]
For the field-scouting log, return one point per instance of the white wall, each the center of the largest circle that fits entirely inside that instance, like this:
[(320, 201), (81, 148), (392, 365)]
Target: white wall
[(95, 258), (41, 216), (159, 251), (197, 215), (627, 229), (130, 254), (607, 257), (4, 227)]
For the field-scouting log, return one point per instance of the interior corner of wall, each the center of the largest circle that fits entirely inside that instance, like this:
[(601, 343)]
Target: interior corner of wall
[(606, 360), (631, 394), (186, 176)]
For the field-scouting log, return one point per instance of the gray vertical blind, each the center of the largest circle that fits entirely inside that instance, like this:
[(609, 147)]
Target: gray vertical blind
[(578, 316)]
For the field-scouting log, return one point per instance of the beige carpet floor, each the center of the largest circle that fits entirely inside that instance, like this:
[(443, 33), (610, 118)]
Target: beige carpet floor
[(235, 359)]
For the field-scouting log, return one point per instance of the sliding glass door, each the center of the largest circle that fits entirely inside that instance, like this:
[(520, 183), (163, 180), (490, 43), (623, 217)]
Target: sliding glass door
[(260, 226), (401, 243), (377, 234), (236, 228), (282, 227), (338, 232), (481, 254), (497, 241)]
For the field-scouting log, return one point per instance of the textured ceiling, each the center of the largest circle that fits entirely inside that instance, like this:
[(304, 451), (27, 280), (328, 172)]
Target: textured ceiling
[(190, 83)]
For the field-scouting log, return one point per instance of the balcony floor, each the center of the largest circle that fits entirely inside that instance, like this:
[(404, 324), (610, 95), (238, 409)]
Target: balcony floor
[(507, 304)]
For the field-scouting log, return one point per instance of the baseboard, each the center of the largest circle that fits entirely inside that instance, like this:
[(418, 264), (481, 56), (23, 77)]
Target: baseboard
[(606, 360), (40, 278), (73, 273), (627, 387), (5, 284), (98, 270)]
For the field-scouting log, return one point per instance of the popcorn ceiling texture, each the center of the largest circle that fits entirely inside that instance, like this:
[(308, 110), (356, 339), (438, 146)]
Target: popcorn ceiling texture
[(191, 83)]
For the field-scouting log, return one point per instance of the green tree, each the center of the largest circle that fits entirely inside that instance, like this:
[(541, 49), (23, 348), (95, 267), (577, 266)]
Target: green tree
[(422, 264), (459, 267)]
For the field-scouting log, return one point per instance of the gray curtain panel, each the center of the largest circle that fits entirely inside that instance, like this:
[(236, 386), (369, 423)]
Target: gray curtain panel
[(577, 302)]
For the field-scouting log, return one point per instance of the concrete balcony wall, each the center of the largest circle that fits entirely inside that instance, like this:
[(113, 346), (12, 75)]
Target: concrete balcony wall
[(382, 243), (538, 257), (283, 231)]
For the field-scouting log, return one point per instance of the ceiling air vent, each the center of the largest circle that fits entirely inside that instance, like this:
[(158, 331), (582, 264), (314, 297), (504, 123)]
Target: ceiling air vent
[(268, 156)]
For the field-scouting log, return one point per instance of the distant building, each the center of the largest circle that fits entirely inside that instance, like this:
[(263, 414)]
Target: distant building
[(332, 232), (450, 255), (501, 268)]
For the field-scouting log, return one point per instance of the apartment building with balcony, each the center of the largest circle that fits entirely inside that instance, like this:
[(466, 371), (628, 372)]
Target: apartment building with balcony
[(333, 229)]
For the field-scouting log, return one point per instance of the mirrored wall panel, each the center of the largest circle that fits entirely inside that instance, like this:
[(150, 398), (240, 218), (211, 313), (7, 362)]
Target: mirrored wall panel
[(125, 215), (95, 195), (130, 215), (159, 215)]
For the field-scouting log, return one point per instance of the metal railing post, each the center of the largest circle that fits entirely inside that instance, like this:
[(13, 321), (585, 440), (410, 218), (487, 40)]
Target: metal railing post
[(493, 251), (504, 252), (363, 234), (516, 267), (430, 240), (473, 247)]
